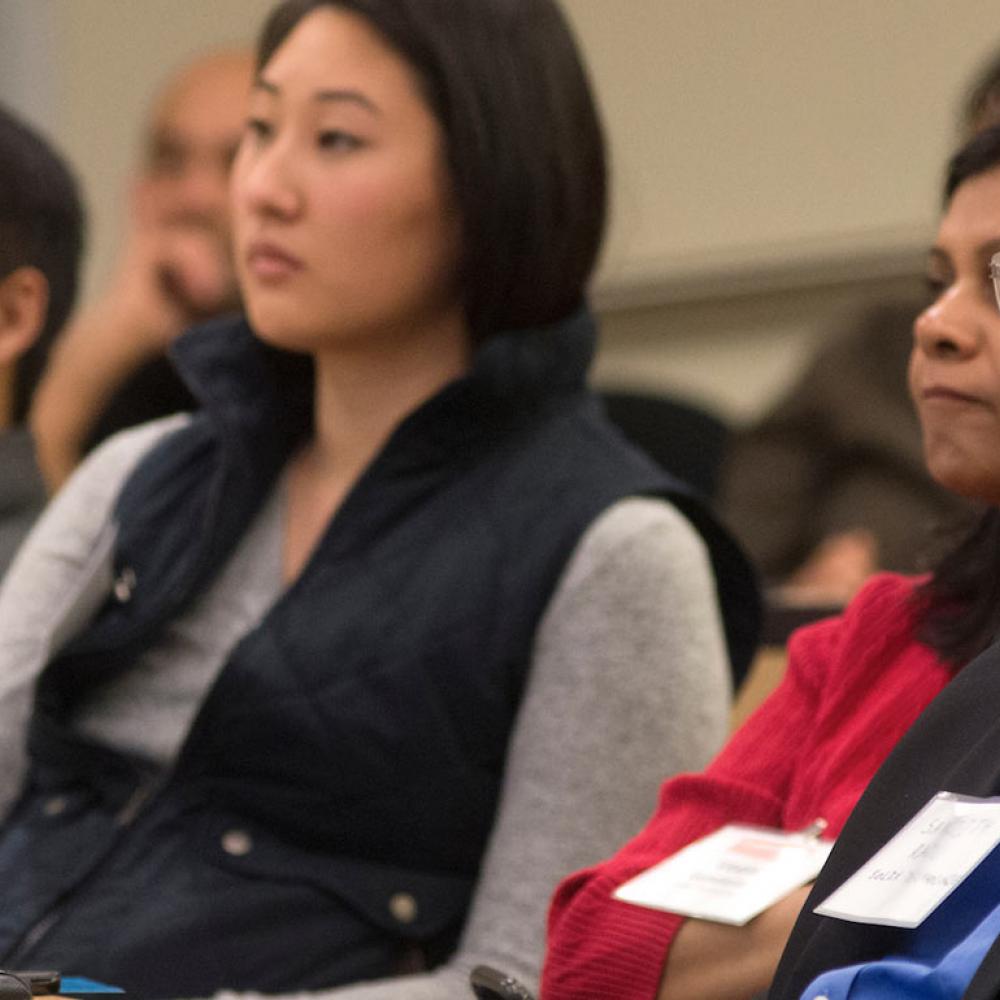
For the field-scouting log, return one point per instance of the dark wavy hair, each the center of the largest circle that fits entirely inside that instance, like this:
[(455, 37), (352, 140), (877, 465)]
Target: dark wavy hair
[(524, 144), (981, 103), (961, 600), (41, 225)]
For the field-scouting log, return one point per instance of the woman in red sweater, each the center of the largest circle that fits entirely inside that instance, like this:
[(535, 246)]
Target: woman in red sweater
[(854, 684)]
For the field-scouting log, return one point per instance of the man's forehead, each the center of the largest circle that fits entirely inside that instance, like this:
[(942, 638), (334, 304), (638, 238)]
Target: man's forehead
[(205, 101)]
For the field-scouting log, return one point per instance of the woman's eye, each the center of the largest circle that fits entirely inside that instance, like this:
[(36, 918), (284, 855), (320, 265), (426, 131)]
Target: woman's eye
[(936, 285), (259, 128), (337, 139)]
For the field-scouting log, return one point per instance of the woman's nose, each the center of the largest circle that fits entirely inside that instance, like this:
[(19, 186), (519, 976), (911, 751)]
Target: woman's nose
[(269, 185), (950, 327)]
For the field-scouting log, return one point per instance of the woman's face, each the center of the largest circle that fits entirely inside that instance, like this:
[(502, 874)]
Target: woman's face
[(343, 219), (955, 364)]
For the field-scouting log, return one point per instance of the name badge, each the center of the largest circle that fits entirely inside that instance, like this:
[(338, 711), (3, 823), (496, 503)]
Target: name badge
[(921, 866), (731, 875)]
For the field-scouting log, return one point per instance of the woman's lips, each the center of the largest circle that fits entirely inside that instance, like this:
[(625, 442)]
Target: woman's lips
[(269, 262), (944, 394)]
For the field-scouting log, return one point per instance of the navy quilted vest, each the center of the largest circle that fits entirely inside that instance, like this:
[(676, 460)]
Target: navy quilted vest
[(328, 811)]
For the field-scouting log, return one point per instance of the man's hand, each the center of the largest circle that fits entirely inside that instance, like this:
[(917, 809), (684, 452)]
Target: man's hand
[(174, 270), (835, 570)]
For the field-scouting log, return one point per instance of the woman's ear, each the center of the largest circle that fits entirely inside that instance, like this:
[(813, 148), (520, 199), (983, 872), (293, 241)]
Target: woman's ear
[(24, 300)]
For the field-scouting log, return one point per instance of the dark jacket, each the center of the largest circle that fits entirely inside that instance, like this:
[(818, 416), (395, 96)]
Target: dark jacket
[(954, 746), (22, 492), (329, 808)]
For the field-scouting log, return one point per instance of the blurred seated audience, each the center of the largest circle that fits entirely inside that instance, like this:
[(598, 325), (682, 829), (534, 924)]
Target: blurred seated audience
[(685, 438), (854, 685), (41, 238), (829, 486), (174, 268)]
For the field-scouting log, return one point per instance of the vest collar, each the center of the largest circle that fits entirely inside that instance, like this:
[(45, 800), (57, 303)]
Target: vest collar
[(241, 381)]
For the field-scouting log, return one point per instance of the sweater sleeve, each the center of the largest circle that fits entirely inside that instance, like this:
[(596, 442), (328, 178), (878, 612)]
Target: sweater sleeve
[(629, 681), (42, 598), (600, 947)]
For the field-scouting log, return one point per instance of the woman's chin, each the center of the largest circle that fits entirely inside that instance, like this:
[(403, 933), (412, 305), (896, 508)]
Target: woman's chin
[(280, 330), (979, 485)]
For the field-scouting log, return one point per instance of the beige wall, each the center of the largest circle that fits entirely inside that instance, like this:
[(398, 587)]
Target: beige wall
[(112, 56), (742, 125), (774, 159)]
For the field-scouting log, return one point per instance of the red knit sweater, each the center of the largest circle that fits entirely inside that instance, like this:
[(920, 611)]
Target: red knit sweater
[(853, 686)]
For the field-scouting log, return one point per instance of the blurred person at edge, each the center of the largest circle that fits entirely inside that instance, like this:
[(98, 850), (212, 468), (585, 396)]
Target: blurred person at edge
[(174, 268), (830, 485), (41, 239)]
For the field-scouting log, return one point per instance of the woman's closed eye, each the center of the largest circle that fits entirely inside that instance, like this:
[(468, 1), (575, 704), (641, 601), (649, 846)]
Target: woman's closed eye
[(338, 140), (936, 285)]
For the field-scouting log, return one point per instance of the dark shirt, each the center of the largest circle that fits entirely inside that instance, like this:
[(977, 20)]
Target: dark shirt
[(22, 492), (152, 391)]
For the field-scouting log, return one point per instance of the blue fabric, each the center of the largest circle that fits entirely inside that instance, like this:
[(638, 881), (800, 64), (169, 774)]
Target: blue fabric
[(941, 955), (76, 986)]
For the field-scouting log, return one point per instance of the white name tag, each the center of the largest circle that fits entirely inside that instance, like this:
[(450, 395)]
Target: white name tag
[(924, 863), (731, 875)]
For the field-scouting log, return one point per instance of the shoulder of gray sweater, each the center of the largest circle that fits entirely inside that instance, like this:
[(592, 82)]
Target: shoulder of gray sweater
[(76, 514), (630, 523), (41, 589)]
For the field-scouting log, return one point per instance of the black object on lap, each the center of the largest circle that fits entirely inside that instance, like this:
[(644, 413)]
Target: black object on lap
[(489, 984), (13, 987)]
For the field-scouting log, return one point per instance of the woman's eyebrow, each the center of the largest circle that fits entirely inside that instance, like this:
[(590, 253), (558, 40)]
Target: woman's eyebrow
[(325, 95), (352, 96)]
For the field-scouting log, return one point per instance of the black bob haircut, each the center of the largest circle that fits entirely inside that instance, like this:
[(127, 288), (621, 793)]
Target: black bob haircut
[(524, 144), (962, 597), (41, 225)]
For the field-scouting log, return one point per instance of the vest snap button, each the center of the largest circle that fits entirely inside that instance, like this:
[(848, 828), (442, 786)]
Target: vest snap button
[(125, 585), (237, 843), (403, 907), (55, 806)]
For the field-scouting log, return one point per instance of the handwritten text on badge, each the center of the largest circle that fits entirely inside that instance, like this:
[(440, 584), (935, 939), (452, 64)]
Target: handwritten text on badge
[(916, 871)]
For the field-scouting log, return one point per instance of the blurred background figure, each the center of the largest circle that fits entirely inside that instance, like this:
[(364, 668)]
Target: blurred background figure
[(830, 485), (41, 238), (174, 269)]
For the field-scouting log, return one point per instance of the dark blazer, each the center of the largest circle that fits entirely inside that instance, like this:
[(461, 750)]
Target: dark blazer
[(954, 746)]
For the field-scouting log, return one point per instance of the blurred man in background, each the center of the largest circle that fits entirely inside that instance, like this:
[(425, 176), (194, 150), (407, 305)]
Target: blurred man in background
[(174, 269)]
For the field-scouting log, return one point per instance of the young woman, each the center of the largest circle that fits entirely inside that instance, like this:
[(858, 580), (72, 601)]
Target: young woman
[(287, 650), (854, 684)]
